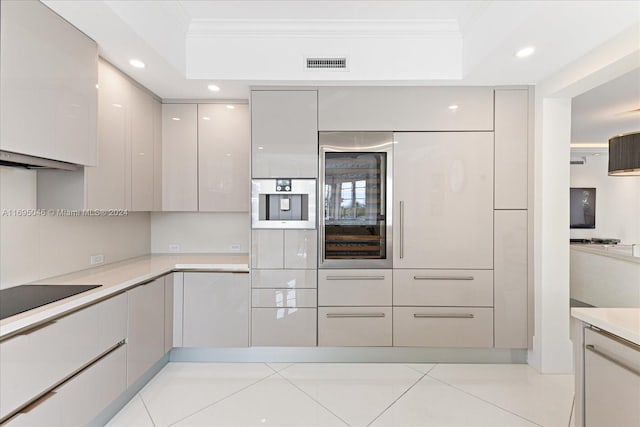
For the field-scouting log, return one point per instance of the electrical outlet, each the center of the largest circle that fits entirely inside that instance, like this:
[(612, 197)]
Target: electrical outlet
[(174, 248), (97, 259), (235, 247)]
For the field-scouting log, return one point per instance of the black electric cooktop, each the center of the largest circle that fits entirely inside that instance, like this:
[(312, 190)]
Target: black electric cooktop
[(27, 297)]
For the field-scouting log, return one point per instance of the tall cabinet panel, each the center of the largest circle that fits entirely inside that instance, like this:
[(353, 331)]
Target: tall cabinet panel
[(511, 146), (223, 157), (48, 84), (443, 191), (179, 157), (142, 149), (107, 182), (284, 133), (510, 279)]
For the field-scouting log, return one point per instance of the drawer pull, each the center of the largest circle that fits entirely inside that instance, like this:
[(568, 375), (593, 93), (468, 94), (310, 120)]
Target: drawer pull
[(611, 359), (354, 315), (37, 327), (442, 277), (355, 277), (442, 316)]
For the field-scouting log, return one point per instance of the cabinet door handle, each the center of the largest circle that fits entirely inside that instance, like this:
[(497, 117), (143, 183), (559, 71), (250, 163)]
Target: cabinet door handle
[(442, 316), (442, 277), (401, 237), (613, 360), (356, 315), (39, 401), (355, 277), (37, 328)]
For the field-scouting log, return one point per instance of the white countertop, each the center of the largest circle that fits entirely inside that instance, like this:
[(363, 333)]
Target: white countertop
[(623, 322), (621, 252), (117, 277)]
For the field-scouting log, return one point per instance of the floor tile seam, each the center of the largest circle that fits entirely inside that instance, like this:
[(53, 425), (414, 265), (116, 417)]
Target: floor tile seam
[(420, 372), (573, 405), (222, 399), (144, 404), (313, 399), (397, 399), (485, 401)]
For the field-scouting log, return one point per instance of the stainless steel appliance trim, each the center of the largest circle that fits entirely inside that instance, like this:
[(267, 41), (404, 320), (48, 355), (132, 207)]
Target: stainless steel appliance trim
[(355, 277), (442, 316), (442, 277), (354, 315), (611, 359), (344, 142), (298, 186)]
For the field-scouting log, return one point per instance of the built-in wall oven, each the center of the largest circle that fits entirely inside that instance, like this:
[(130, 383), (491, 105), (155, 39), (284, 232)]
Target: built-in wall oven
[(355, 200)]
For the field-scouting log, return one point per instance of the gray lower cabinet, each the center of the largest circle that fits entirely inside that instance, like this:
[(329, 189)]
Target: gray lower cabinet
[(146, 337), (216, 310), (611, 381), (40, 365), (78, 401)]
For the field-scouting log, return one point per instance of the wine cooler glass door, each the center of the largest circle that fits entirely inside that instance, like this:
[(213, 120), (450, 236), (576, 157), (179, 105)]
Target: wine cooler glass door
[(354, 199)]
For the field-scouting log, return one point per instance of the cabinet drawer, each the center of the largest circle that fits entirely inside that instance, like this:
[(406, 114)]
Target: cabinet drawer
[(611, 381), (442, 327), (443, 287), (79, 400), (284, 279), (40, 358), (288, 327), (277, 298), (354, 326), (354, 287)]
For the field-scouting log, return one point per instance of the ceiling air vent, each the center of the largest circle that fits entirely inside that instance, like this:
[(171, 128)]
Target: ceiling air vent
[(326, 63)]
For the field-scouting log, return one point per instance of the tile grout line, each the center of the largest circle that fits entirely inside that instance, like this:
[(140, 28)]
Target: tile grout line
[(312, 398), (398, 398), (221, 399), (146, 409), (420, 372), (485, 401), (571, 414)]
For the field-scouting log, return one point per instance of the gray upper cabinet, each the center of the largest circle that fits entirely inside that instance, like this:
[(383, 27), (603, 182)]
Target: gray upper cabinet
[(48, 84), (180, 157), (405, 109), (284, 133), (223, 157), (511, 146)]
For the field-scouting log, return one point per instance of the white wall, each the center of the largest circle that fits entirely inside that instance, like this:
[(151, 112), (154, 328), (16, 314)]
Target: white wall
[(200, 232), (37, 247), (617, 201)]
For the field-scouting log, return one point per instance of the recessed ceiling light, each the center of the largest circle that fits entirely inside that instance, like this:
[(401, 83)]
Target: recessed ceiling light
[(260, 148), (136, 63), (525, 51), (453, 107), (214, 88), (97, 86), (206, 118), (175, 118), (231, 107), (117, 105)]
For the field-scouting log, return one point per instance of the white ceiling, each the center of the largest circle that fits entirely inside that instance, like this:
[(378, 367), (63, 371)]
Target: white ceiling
[(236, 44)]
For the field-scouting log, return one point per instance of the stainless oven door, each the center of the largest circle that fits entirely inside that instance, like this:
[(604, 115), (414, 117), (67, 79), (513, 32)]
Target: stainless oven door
[(355, 200)]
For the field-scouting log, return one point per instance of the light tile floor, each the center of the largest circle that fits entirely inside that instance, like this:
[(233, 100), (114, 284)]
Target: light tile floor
[(350, 394)]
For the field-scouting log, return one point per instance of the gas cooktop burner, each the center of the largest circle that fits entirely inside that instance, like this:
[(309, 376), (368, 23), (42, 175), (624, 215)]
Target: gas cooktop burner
[(27, 297)]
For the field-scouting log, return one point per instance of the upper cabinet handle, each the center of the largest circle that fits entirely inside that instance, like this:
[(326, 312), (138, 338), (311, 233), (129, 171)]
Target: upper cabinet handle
[(442, 277), (355, 277), (401, 229)]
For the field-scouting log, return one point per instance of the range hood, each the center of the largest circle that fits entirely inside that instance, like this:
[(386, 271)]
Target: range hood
[(8, 158)]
